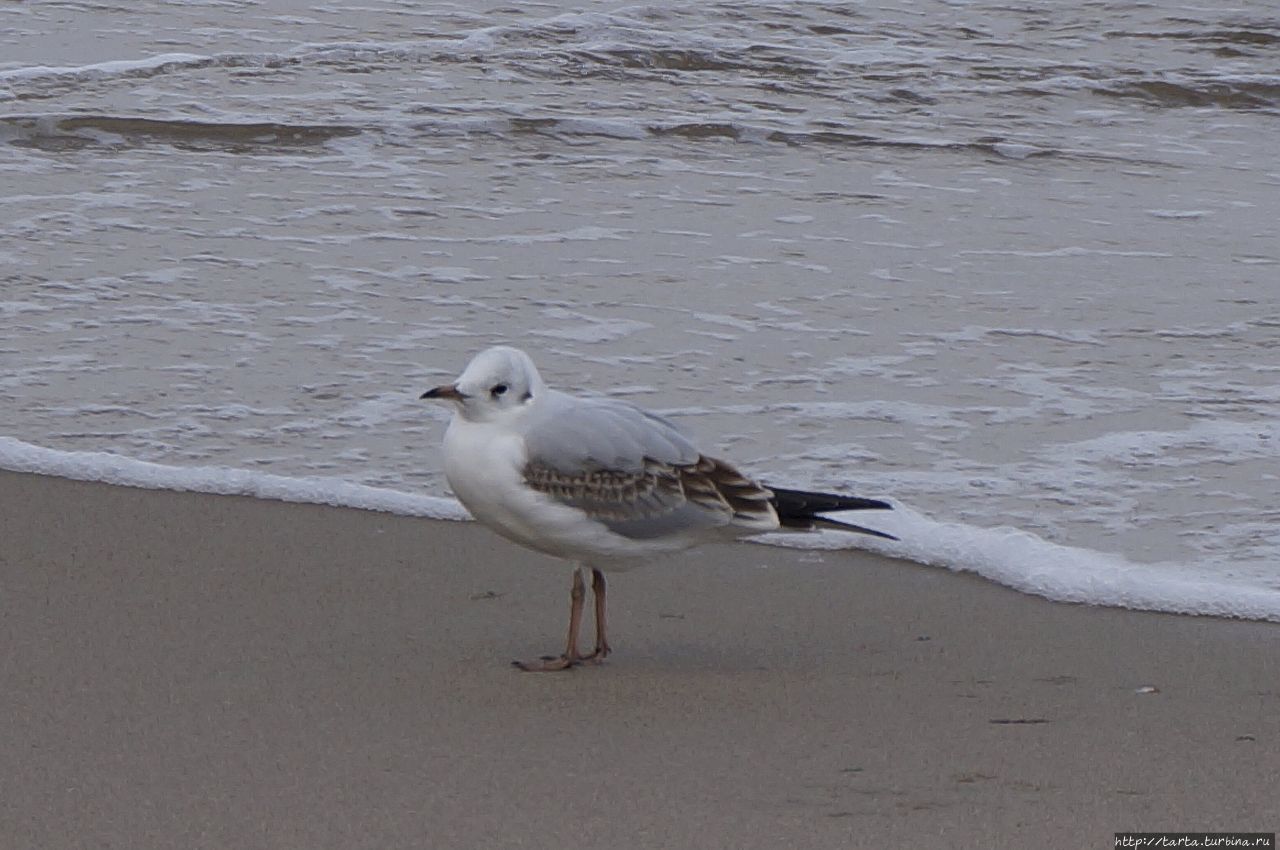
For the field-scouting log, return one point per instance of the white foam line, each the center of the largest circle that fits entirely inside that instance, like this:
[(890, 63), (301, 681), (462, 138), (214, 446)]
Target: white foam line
[(1027, 563), (18, 456)]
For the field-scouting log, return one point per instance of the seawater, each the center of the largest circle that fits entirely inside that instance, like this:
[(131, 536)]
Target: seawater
[(1014, 267)]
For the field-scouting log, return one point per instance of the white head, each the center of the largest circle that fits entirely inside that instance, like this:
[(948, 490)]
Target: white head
[(497, 383)]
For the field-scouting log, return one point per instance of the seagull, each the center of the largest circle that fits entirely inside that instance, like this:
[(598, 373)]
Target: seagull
[(600, 482)]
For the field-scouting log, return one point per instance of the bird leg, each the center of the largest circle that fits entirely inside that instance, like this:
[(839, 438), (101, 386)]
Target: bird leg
[(571, 657), (602, 643)]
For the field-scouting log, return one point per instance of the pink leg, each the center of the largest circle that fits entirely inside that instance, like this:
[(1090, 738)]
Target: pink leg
[(602, 642), (571, 657)]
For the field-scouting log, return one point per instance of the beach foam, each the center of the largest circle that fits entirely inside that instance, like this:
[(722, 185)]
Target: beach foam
[(1024, 562), (18, 456)]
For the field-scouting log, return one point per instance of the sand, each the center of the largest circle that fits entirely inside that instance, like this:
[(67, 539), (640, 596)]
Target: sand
[(190, 671)]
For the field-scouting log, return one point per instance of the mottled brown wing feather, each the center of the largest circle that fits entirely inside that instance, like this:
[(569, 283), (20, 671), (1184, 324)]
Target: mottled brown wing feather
[(657, 491), (721, 483), (611, 495)]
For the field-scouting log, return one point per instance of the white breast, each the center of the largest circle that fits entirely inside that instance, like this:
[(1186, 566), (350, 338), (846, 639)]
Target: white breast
[(484, 466)]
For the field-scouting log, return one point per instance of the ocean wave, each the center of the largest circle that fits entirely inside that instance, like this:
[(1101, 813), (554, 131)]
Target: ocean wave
[(69, 131), (114, 69), (62, 132), (911, 69), (1255, 93)]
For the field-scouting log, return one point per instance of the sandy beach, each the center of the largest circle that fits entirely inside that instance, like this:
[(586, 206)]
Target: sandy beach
[(198, 671)]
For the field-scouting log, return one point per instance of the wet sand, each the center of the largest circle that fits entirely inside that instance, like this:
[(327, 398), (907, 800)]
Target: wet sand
[(196, 671)]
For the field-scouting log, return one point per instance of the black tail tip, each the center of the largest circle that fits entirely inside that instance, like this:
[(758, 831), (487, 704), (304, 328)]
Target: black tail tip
[(848, 526)]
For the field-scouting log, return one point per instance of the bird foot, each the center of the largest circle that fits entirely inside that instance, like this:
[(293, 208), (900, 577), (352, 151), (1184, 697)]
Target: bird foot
[(556, 663), (598, 656), (548, 664)]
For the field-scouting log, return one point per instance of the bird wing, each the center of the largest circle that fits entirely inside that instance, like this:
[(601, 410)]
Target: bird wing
[(635, 472)]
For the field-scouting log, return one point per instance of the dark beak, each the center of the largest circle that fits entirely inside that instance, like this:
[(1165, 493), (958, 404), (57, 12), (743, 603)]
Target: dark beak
[(448, 392)]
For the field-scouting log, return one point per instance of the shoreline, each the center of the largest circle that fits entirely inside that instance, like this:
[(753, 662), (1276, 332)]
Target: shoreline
[(1009, 557), (211, 671)]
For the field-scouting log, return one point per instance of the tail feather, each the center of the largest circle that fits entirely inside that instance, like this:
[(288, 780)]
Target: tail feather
[(848, 526), (802, 509)]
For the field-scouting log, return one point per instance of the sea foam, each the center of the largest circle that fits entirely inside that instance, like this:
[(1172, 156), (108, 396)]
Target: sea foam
[(1007, 556), (107, 468), (1024, 562)]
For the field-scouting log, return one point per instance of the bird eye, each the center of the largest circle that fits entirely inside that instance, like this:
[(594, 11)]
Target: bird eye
[(499, 389)]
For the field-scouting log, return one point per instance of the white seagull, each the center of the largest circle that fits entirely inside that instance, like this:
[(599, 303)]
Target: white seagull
[(600, 482)]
